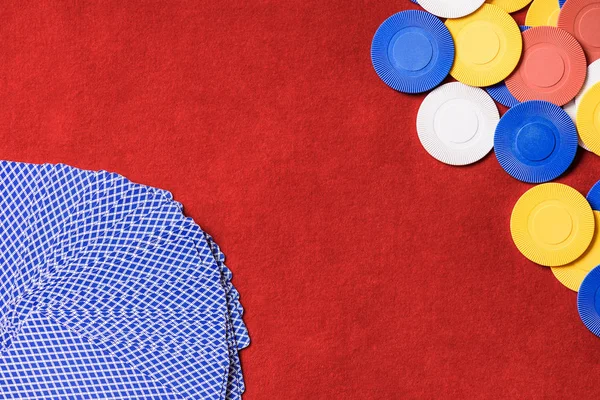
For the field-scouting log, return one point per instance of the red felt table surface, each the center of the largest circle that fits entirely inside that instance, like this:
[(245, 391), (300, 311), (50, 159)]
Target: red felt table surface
[(368, 270)]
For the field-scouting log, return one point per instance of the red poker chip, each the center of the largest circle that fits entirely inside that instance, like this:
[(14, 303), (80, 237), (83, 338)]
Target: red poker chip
[(553, 67), (581, 18)]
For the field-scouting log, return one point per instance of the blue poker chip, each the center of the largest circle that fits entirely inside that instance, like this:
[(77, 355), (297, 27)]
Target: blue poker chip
[(588, 301), (535, 141), (502, 95), (523, 28), (412, 51), (561, 3), (593, 196)]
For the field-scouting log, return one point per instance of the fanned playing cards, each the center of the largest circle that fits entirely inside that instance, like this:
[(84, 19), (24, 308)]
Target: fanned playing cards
[(108, 291)]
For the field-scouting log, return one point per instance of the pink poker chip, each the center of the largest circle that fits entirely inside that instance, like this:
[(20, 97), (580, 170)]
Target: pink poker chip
[(553, 67), (581, 18)]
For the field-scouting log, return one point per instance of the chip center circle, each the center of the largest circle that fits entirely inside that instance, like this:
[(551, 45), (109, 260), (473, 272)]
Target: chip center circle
[(535, 141), (589, 27), (545, 67), (412, 51), (552, 224), (479, 43), (456, 121)]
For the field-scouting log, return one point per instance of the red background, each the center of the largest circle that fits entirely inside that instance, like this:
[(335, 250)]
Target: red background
[(368, 269)]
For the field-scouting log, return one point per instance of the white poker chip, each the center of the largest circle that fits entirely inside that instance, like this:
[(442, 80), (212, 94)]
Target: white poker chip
[(451, 8), (456, 123), (593, 77), (571, 109)]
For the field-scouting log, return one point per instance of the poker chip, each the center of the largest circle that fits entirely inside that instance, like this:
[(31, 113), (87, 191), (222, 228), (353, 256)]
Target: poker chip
[(502, 95), (543, 13), (552, 224), (572, 274), (510, 6), (535, 141), (588, 300), (412, 51), (553, 67), (451, 9), (581, 18), (456, 123), (593, 197), (588, 119), (593, 77), (488, 46)]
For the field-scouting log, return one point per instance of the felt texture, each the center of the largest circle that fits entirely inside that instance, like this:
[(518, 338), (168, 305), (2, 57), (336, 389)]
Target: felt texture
[(368, 269)]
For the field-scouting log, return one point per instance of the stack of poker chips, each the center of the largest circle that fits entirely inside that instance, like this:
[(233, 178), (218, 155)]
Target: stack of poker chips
[(552, 61), (547, 74), (555, 226), (108, 291)]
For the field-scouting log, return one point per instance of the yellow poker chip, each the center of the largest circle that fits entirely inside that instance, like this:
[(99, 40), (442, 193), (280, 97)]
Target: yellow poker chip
[(488, 46), (572, 274), (543, 13), (510, 6), (552, 224), (588, 119)]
